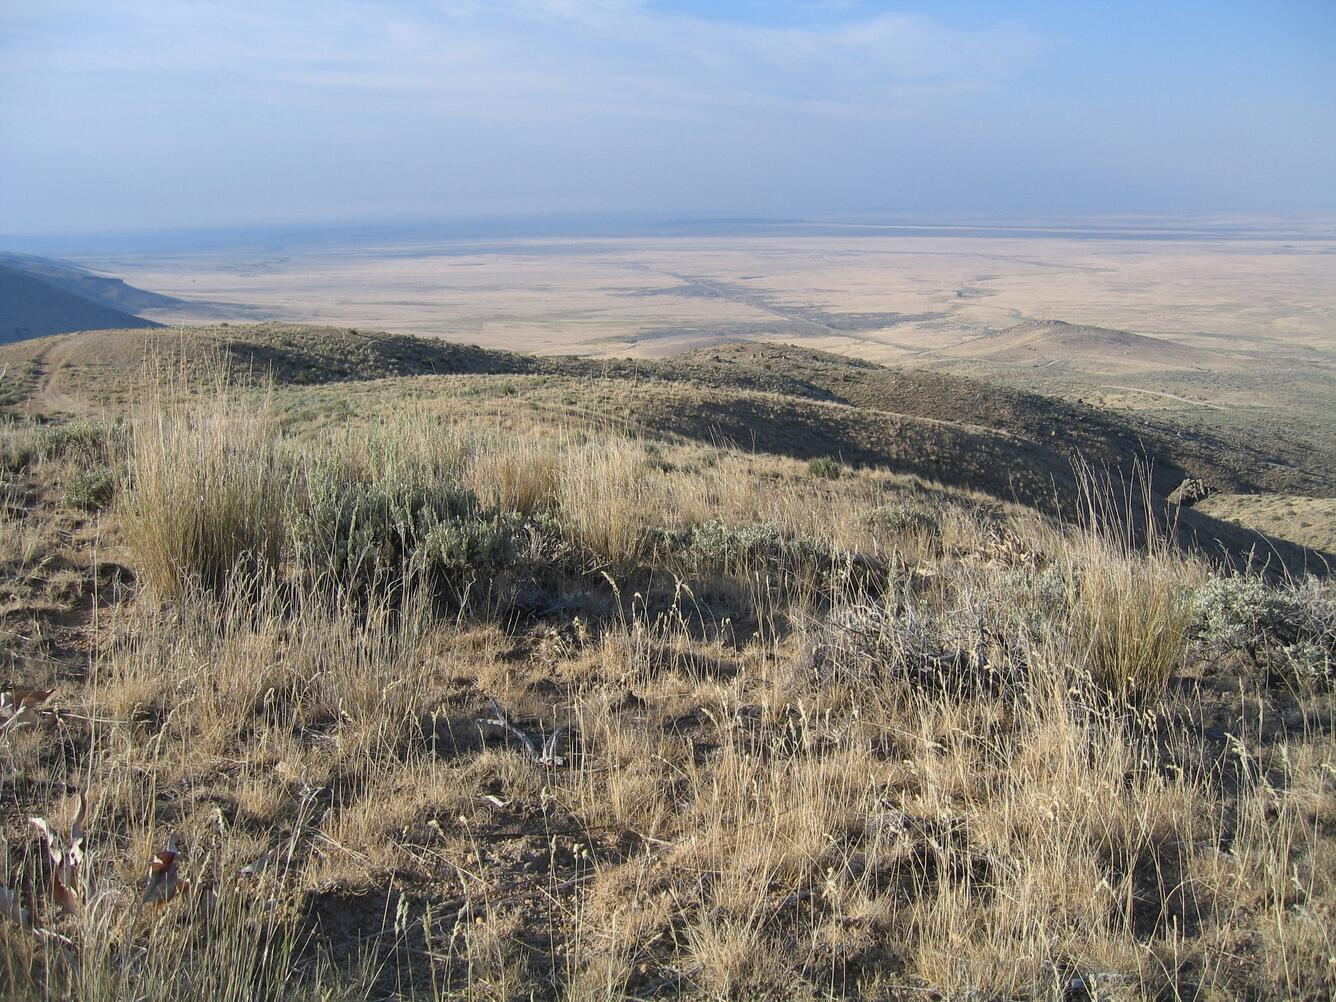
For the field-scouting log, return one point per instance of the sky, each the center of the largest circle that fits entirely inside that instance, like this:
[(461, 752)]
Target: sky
[(145, 114)]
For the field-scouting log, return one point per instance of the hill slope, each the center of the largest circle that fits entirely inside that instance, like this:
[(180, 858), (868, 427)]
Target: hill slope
[(104, 290), (1243, 462), (32, 307), (102, 365), (766, 398), (1084, 345)]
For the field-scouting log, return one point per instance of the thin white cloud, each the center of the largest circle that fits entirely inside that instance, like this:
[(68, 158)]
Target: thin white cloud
[(595, 54), (308, 106)]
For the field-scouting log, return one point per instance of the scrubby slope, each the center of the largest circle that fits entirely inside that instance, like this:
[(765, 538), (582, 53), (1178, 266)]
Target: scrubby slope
[(103, 365), (784, 400), (1103, 437), (96, 365), (438, 696), (778, 399), (32, 307)]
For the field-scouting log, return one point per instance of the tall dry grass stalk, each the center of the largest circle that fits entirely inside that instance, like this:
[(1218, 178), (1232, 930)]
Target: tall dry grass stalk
[(1128, 586), (1130, 620), (520, 474), (207, 493), (603, 492)]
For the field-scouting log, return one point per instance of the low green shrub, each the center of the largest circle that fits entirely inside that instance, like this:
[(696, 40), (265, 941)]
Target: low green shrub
[(1027, 602), (901, 519), (1289, 627), (713, 548), (825, 467), (363, 533), (1236, 613), (450, 554), (86, 443), (91, 490), (868, 644)]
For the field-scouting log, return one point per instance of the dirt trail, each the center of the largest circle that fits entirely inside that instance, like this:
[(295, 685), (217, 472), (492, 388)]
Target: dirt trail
[(45, 397)]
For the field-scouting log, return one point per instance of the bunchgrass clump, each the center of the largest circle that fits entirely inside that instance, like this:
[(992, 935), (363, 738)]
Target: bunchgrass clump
[(206, 497), (1130, 622), (1128, 588)]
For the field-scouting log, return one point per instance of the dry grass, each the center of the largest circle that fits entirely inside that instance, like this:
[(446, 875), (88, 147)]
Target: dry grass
[(993, 763), (1306, 520), (207, 495), (605, 497), (519, 473)]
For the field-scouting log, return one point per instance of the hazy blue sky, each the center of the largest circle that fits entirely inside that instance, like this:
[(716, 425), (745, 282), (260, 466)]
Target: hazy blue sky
[(151, 113)]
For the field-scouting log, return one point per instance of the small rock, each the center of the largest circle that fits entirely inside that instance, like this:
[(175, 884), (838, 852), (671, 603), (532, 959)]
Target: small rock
[(1189, 492)]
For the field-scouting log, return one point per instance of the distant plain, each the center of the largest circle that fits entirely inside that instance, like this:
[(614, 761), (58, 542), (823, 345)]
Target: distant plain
[(1239, 298)]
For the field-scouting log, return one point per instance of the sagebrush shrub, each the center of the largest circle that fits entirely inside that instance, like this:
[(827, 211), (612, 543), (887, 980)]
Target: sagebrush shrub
[(1289, 626), (1234, 613), (901, 519), (358, 532), (83, 442), (867, 644), (1035, 603), (448, 551), (90, 490), (714, 548)]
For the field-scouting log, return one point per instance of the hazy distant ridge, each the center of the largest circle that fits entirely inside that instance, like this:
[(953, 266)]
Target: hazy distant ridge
[(40, 297)]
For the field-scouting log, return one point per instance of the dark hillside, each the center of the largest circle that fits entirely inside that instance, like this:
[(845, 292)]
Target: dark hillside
[(104, 290), (32, 307), (1238, 465)]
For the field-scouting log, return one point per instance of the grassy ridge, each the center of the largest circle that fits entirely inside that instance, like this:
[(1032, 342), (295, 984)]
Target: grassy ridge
[(786, 401), (103, 365)]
